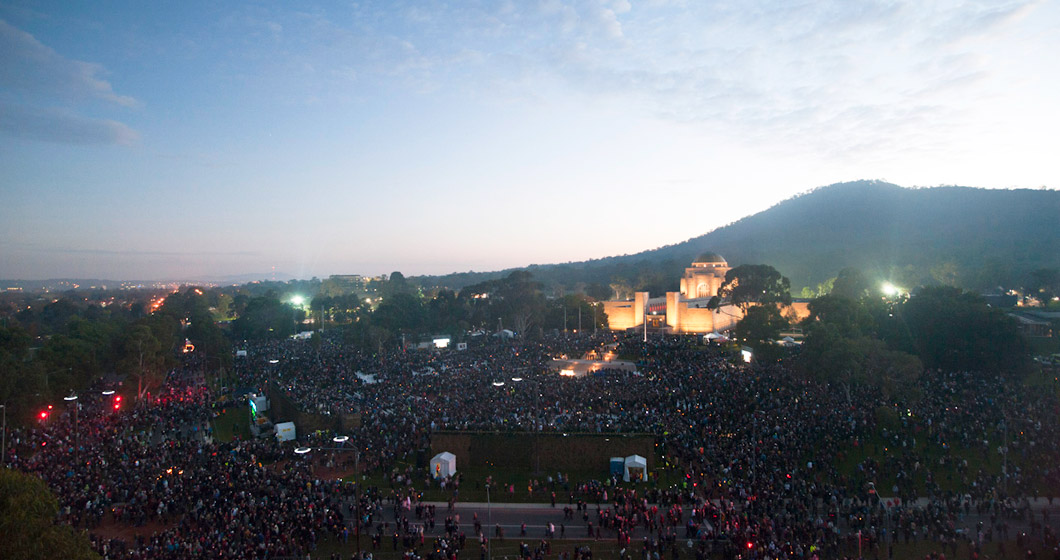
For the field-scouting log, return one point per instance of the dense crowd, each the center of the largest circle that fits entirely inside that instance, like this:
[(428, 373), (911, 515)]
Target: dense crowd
[(770, 463)]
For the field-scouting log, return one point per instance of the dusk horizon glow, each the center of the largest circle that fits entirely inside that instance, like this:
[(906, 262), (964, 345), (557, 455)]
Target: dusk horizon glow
[(148, 142)]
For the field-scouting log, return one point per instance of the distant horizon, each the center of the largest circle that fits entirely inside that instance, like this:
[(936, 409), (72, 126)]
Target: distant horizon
[(239, 278), (213, 139)]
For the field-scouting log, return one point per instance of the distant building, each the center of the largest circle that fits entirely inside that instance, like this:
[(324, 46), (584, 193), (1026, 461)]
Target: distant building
[(686, 311), (344, 284), (1035, 324), (680, 312)]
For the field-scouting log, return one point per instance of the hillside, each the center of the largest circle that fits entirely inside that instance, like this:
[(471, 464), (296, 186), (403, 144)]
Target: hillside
[(974, 238)]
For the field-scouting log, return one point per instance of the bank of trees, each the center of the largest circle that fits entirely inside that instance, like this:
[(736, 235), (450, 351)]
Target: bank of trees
[(857, 338), (52, 349), (515, 302), (28, 511)]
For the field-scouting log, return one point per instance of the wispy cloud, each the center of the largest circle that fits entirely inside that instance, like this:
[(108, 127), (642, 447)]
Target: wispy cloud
[(109, 252), (61, 126), (37, 76), (32, 67)]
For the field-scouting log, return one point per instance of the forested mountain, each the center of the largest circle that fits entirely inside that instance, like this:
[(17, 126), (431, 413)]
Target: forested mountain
[(966, 237)]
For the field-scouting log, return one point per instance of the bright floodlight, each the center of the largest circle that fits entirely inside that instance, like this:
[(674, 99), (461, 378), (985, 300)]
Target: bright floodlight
[(297, 300), (517, 379), (302, 450), (340, 439), (498, 384), (274, 361), (70, 398), (108, 392), (889, 289)]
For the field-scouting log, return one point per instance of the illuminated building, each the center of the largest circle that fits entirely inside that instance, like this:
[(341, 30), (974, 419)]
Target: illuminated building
[(680, 312)]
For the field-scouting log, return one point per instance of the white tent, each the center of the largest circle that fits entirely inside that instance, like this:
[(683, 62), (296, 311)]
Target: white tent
[(711, 337), (285, 431), (636, 468), (443, 465)]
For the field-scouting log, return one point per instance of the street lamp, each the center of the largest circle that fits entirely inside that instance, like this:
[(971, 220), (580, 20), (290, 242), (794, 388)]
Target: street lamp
[(77, 432), (489, 523), (3, 446)]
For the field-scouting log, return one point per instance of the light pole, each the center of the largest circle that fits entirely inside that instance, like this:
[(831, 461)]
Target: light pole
[(3, 446), (489, 523), (77, 432)]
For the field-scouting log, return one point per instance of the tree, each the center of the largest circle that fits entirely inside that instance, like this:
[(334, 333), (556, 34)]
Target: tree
[(27, 521), (954, 330), (842, 347), (598, 292), (401, 312), (18, 378), (945, 273), (142, 358), (831, 355), (851, 284), (849, 316), (749, 284), (1044, 283), (761, 324), (520, 301), (264, 317)]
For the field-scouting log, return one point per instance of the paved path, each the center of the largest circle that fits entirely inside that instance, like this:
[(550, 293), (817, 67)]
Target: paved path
[(512, 516)]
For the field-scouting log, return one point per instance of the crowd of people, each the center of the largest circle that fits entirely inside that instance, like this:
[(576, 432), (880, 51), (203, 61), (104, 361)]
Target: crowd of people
[(768, 463)]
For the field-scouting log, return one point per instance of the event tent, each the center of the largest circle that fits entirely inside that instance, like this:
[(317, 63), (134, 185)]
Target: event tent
[(285, 431), (636, 468), (443, 465)]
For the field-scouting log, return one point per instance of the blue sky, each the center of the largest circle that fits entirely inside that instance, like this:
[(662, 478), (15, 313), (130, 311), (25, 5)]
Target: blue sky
[(149, 141)]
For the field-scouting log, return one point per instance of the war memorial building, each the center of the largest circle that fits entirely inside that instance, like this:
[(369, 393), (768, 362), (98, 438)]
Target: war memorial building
[(685, 311)]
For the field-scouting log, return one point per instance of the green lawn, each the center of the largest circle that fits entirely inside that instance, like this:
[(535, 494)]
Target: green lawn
[(233, 422), (473, 485), (948, 479)]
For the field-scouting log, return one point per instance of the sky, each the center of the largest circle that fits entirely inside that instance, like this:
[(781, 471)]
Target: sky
[(190, 140)]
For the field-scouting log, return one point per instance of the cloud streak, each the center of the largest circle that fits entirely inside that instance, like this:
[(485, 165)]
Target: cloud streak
[(38, 76), (32, 67), (62, 126), (108, 252)]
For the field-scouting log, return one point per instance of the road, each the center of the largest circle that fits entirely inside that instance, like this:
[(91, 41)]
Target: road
[(511, 517)]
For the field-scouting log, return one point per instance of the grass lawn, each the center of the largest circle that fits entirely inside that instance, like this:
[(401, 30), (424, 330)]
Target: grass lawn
[(948, 479), (231, 423), (473, 485)]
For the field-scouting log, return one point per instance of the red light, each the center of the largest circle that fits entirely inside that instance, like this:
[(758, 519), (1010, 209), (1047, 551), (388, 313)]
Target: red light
[(44, 415), (116, 406), (750, 545)]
